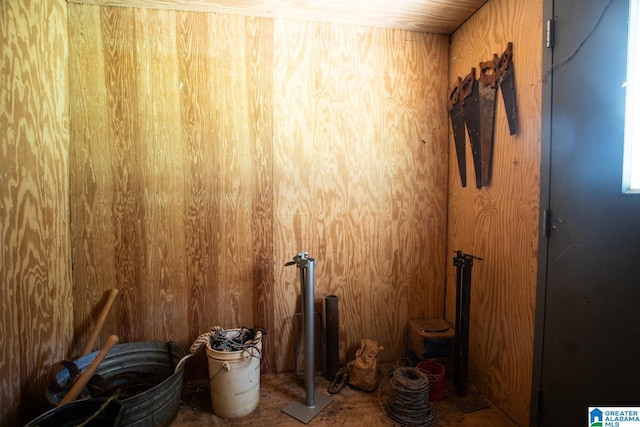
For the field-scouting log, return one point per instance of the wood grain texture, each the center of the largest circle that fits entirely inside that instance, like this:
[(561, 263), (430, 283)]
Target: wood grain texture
[(500, 222), (36, 313), (205, 150), (171, 181), (220, 146), (359, 177), (428, 16), (164, 182), (259, 55), (93, 268)]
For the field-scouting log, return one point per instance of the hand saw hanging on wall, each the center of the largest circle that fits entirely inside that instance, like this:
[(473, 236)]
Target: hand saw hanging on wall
[(457, 123), (494, 73), (506, 81), (472, 105), (487, 90), (471, 108)]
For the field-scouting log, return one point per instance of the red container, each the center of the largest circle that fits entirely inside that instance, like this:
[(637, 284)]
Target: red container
[(436, 373)]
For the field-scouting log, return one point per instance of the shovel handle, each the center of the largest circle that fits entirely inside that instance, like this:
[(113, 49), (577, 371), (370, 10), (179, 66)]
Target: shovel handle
[(74, 392), (113, 293)]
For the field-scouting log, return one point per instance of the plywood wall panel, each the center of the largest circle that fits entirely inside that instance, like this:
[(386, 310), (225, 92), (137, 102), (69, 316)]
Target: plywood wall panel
[(92, 229), (354, 183), (127, 210), (36, 313), (220, 146), (199, 213), (180, 125), (172, 129), (163, 195), (259, 54), (500, 222)]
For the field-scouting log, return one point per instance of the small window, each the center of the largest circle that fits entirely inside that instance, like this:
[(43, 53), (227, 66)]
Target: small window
[(631, 166)]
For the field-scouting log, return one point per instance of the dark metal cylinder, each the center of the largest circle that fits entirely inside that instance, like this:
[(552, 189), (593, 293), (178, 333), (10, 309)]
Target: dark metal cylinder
[(332, 337)]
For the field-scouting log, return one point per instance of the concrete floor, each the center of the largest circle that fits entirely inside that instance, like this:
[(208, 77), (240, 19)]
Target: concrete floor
[(349, 407)]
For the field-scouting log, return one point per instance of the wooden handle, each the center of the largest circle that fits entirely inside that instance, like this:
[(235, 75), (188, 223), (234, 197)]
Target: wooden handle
[(74, 392), (113, 293), (467, 83)]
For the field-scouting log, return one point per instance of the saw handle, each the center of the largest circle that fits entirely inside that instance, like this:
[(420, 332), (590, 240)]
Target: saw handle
[(467, 83), (454, 95), (74, 392), (488, 73), (503, 62), (113, 293)]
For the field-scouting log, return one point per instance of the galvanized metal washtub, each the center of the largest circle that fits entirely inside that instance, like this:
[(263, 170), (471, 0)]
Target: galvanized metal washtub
[(155, 407)]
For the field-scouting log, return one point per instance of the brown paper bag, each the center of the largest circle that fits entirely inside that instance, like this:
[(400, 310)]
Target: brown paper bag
[(363, 372)]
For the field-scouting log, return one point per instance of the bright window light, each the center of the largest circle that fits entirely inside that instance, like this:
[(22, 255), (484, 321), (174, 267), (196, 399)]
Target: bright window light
[(631, 166)]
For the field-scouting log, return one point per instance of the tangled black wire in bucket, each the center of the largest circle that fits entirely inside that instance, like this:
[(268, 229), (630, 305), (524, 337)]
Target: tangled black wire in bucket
[(408, 404), (244, 339)]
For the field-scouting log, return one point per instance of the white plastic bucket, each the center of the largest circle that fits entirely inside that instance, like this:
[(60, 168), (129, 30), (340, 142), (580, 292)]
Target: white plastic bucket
[(234, 378)]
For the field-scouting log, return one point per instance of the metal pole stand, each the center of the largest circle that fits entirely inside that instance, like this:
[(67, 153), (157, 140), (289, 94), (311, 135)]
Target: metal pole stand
[(463, 263), (306, 409)]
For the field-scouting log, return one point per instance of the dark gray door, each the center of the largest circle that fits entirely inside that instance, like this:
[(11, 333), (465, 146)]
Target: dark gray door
[(590, 347)]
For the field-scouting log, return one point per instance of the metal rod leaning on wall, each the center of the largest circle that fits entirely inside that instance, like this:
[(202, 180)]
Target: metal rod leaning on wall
[(463, 263), (307, 271), (305, 410)]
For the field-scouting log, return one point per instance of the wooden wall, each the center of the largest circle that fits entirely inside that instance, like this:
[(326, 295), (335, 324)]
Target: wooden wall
[(500, 223), (171, 170), (360, 176), (207, 150), (36, 312)]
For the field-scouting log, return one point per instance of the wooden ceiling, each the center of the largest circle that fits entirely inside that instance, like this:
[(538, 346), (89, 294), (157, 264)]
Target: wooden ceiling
[(430, 16)]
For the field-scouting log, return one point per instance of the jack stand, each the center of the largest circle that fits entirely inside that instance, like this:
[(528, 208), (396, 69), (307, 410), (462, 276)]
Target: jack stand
[(463, 263), (306, 409)]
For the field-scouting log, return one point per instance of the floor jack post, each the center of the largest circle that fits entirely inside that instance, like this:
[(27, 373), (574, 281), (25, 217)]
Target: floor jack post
[(306, 409), (463, 263)]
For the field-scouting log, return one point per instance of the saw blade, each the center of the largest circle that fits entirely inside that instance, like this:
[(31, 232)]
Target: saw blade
[(471, 108), (487, 91), (457, 124), (506, 80)]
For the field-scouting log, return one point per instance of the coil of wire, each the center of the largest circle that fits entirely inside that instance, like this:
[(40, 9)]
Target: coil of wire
[(408, 404)]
